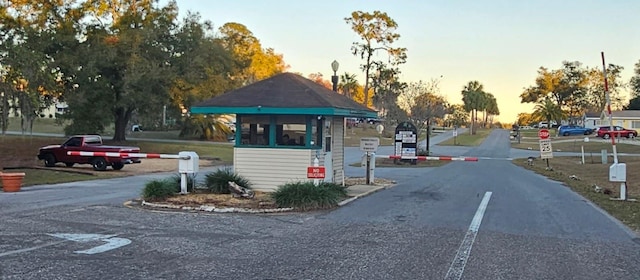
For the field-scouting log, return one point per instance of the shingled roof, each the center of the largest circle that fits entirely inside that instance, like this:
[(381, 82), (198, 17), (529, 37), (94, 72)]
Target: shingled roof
[(285, 93)]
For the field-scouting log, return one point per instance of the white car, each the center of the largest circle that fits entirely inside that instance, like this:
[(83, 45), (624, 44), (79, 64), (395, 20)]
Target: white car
[(546, 125)]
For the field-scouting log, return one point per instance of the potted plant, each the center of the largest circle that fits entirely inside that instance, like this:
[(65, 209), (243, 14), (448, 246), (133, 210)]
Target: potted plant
[(11, 182)]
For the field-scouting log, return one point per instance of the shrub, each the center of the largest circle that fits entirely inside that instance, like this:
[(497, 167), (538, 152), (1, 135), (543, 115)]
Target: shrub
[(339, 189), (158, 190), (218, 181), (306, 196)]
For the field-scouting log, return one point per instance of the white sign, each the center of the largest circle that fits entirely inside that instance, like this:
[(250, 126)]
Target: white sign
[(369, 144), (455, 133), (546, 150), (112, 242)]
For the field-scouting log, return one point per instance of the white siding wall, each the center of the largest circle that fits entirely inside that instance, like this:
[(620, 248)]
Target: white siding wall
[(266, 168), (338, 149)]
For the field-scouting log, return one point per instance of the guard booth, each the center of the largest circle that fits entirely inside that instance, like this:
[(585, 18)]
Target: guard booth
[(282, 125), (406, 142)]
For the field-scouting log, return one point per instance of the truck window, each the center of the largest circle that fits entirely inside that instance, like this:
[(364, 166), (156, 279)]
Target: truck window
[(73, 142), (92, 141)]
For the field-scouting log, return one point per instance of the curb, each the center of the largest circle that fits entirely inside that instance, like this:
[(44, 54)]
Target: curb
[(351, 199), (208, 208)]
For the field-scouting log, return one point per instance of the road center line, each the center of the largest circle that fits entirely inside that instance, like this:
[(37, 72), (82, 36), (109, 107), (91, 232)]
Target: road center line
[(457, 266)]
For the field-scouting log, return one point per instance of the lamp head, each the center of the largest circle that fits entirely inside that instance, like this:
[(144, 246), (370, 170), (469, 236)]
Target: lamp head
[(335, 65)]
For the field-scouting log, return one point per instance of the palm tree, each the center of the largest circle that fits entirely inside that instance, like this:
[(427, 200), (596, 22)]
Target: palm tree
[(492, 107), (548, 110), (205, 127), (472, 97), (348, 84)]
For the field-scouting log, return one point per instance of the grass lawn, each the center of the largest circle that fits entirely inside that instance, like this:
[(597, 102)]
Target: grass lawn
[(352, 136), (42, 176), (591, 174), (41, 125), (466, 139), (575, 144), (24, 149)]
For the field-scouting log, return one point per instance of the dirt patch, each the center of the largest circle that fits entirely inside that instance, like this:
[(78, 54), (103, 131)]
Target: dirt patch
[(262, 200)]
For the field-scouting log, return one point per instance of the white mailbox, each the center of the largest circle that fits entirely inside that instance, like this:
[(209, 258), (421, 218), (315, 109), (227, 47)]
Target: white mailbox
[(189, 162), (618, 172)]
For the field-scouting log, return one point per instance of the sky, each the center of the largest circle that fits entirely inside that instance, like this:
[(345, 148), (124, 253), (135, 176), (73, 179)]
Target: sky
[(500, 43)]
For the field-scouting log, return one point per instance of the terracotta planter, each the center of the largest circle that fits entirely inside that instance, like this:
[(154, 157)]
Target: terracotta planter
[(11, 182)]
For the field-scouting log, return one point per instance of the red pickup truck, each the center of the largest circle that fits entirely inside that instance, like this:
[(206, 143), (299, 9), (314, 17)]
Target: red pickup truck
[(86, 143)]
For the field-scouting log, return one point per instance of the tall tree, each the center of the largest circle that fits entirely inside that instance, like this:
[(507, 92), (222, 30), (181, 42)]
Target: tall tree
[(387, 87), (253, 63), (491, 108), (348, 84), (574, 88), (26, 33), (124, 64), (319, 78), (634, 86), (378, 33), (424, 104), (547, 110), (473, 98), (456, 115), (525, 119)]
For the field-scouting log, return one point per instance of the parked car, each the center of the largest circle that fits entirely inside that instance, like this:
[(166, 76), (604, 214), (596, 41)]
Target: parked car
[(618, 131), (373, 120), (351, 122), (52, 154), (546, 124), (566, 130)]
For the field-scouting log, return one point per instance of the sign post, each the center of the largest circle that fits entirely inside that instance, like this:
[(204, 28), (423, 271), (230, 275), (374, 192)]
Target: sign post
[(369, 145), (546, 151), (455, 135), (406, 144)]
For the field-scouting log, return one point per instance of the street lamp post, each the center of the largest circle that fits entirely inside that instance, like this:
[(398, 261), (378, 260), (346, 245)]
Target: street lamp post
[(334, 78)]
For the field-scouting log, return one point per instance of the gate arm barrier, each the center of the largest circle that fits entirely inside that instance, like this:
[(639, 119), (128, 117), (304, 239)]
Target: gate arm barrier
[(135, 155), (447, 158)]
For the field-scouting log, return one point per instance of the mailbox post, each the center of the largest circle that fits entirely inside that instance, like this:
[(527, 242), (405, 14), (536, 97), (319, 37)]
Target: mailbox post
[(369, 145), (188, 163)]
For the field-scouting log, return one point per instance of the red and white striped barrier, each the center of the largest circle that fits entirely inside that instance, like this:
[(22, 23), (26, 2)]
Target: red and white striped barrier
[(431, 158), (134, 155)]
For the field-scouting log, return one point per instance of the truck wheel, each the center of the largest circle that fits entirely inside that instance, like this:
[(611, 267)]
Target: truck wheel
[(606, 136), (69, 164), (117, 165), (49, 160), (99, 164)]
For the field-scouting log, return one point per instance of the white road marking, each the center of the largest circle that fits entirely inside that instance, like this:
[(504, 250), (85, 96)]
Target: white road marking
[(112, 242), (31, 249), (457, 266)]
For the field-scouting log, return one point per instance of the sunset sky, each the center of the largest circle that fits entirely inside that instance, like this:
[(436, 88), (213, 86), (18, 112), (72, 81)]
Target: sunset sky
[(500, 43)]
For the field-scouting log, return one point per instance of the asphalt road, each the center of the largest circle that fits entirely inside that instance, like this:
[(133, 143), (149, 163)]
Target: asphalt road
[(466, 220)]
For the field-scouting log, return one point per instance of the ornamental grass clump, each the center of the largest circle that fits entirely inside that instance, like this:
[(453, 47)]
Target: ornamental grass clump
[(158, 190), (218, 181), (176, 180), (306, 196)]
